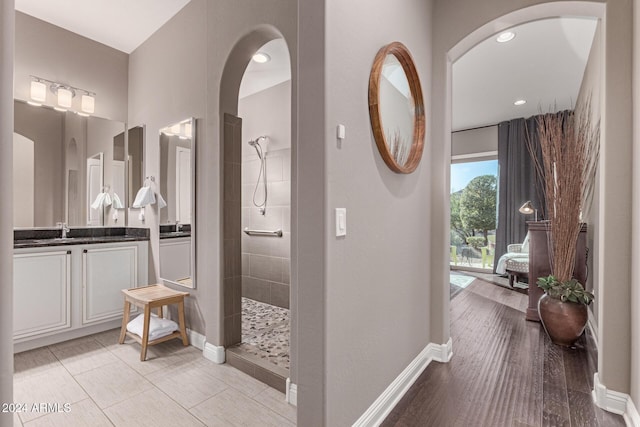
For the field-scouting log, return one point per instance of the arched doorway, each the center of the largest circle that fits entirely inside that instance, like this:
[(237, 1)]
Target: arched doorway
[(256, 285)]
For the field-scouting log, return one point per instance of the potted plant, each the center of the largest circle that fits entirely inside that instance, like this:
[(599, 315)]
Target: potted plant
[(567, 165), (563, 308)]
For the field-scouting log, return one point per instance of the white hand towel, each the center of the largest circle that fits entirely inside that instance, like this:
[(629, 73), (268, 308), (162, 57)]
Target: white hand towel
[(158, 327), (97, 203), (161, 202), (117, 203), (144, 197)]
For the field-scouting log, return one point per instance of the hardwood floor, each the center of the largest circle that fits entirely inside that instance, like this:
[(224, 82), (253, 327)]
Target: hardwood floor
[(504, 372)]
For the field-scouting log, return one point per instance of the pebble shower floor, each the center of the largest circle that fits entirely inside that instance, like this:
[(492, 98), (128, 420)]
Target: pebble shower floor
[(265, 332)]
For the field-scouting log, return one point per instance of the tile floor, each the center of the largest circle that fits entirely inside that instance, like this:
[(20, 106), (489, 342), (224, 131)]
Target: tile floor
[(265, 332), (105, 384)]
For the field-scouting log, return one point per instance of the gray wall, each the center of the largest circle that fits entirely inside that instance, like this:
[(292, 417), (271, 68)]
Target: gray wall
[(6, 210), (265, 260), (590, 93), (53, 53), (614, 367), (376, 288), (164, 91), (473, 141), (635, 291)]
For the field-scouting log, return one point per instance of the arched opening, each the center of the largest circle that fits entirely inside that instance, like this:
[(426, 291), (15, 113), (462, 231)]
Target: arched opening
[(615, 151), (255, 104)]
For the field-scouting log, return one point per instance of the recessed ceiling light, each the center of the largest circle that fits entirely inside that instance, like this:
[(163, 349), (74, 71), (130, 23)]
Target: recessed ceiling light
[(261, 57), (62, 110), (35, 104), (505, 37), (520, 102)]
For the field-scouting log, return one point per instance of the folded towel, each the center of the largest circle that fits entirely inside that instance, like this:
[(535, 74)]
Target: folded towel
[(158, 327), (144, 197), (161, 202), (103, 199), (117, 203)]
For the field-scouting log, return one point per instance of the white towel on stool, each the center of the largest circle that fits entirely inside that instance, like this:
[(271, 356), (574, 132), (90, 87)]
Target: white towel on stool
[(158, 327)]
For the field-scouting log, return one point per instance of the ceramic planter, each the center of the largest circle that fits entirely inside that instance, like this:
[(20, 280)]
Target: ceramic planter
[(563, 321)]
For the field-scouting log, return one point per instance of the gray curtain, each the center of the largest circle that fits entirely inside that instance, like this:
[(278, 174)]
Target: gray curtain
[(516, 182)]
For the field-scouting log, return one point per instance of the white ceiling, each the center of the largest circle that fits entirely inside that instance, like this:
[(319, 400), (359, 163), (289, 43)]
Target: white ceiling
[(259, 77), (543, 64), (121, 24)]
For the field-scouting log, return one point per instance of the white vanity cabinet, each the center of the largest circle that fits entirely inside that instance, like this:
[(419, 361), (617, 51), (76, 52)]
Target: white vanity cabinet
[(64, 292), (106, 271), (41, 293)]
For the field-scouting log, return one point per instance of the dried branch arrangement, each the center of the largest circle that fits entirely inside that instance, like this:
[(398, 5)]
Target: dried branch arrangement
[(569, 142)]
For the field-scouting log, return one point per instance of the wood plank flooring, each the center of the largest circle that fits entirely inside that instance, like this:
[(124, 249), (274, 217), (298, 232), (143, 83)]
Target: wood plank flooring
[(504, 372)]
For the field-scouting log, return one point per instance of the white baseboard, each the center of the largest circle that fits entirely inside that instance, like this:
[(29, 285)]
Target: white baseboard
[(615, 402), (215, 353), (632, 417), (389, 398), (196, 339), (291, 393)]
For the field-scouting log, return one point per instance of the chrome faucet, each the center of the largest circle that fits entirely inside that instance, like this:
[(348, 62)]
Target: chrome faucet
[(178, 226), (64, 228)]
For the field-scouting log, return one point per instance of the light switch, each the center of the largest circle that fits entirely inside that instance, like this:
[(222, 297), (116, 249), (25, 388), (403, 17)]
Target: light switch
[(341, 222), (341, 132)]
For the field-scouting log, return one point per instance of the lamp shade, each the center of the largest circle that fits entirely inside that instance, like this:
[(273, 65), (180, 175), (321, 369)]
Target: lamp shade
[(38, 91), (88, 104), (527, 208), (64, 97)]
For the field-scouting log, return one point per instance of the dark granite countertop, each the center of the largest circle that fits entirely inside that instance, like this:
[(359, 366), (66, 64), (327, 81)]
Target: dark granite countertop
[(169, 231), (42, 237), (175, 234)]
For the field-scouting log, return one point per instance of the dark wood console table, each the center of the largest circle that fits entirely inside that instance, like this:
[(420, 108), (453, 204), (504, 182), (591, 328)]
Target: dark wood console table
[(539, 262)]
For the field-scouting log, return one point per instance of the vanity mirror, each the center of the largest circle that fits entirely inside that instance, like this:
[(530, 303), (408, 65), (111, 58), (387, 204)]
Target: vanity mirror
[(396, 108), (62, 162), (177, 186)]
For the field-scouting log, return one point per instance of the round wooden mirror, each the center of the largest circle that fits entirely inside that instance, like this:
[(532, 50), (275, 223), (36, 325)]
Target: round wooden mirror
[(396, 108)]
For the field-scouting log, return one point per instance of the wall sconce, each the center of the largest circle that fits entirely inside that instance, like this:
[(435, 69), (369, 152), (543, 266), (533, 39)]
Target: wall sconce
[(64, 95)]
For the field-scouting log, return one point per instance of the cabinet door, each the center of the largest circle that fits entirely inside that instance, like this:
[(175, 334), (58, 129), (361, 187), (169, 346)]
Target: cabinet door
[(106, 272), (41, 293)]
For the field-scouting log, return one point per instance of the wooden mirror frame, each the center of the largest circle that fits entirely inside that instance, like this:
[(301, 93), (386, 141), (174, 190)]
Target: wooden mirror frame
[(400, 51)]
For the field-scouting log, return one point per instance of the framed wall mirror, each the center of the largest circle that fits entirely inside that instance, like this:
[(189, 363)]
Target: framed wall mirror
[(396, 108), (62, 163), (177, 186)]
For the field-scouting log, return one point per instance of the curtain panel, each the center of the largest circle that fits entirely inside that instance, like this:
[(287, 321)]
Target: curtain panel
[(517, 182)]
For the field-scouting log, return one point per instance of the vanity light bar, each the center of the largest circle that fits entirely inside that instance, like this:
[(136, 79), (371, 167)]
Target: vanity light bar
[(64, 93)]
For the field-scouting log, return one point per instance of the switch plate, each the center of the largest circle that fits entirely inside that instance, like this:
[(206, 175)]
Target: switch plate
[(341, 222)]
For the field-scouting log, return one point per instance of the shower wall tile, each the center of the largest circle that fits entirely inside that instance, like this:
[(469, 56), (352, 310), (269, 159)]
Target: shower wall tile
[(232, 186), (256, 289), (274, 169), (228, 296), (272, 220), (245, 262), (279, 193), (280, 247), (286, 219), (247, 196), (279, 295), (286, 273), (266, 268), (232, 258), (251, 170), (286, 165), (232, 220)]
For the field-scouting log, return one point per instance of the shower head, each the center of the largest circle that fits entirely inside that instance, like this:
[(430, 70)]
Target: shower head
[(255, 143)]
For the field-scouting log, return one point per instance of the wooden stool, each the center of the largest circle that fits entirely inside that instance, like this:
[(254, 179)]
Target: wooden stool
[(148, 298)]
